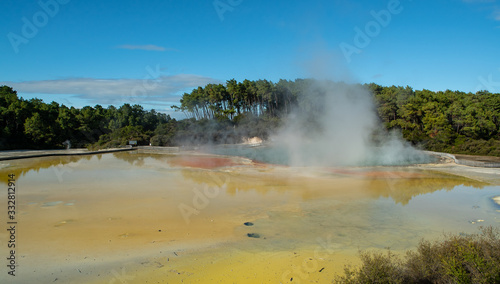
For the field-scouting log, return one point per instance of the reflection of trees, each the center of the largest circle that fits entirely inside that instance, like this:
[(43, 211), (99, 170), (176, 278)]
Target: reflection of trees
[(134, 159), (139, 159), (23, 166), (400, 185), (401, 188), (235, 181)]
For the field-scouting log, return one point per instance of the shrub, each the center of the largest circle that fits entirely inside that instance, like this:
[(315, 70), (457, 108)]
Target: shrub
[(376, 268), (459, 258)]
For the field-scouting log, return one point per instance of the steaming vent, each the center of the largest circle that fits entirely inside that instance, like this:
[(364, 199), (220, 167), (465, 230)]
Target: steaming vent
[(335, 124)]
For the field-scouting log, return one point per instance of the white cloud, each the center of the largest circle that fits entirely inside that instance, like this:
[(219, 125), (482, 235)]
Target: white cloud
[(148, 47), (161, 90)]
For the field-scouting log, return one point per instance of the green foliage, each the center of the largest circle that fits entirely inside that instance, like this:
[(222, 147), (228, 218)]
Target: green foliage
[(121, 137), (449, 121), (164, 134), (456, 259), (236, 98), (38, 125), (376, 268)]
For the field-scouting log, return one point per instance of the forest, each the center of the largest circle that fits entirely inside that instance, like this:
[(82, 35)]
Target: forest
[(446, 121)]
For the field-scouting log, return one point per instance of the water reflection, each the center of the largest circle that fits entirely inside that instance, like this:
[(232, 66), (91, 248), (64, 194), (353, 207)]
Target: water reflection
[(21, 167), (277, 154), (399, 184), (121, 207), (403, 190), (396, 187)]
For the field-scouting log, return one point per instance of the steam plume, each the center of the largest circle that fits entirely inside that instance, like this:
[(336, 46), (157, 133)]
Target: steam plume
[(337, 125)]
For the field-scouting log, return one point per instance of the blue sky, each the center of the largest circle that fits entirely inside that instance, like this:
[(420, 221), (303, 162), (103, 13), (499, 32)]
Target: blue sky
[(103, 52)]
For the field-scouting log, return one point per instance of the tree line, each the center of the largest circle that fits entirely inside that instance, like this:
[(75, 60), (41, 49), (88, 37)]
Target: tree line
[(216, 101), (33, 124), (448, 121)]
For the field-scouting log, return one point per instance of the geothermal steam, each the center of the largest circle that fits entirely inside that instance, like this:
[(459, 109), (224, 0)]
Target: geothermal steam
[(337, 125)]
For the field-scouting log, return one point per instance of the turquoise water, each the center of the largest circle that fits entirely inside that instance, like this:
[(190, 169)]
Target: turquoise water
[(311, 157)]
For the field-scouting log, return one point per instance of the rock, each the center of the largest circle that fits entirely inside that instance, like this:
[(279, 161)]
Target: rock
[(496, 199), (253, 235)]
